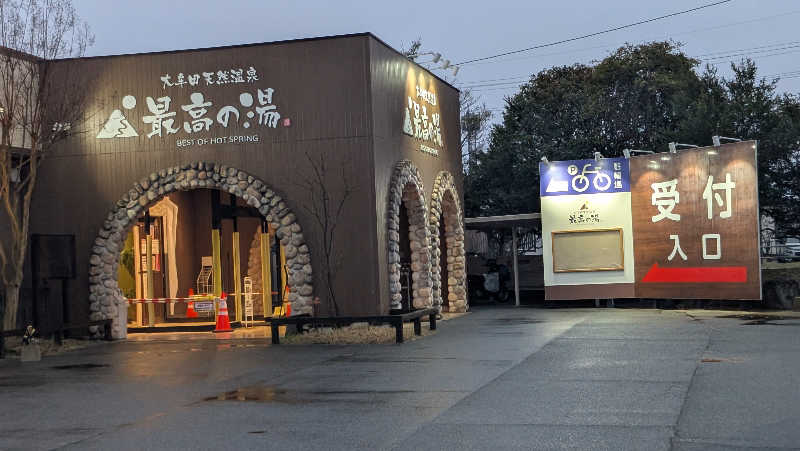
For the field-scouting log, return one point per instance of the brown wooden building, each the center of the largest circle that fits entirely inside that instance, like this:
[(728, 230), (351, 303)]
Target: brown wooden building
[(256, 124)]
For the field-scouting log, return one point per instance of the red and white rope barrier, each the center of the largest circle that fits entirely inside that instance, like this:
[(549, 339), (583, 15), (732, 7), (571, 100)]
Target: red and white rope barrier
[(177, 300), (164, 300)]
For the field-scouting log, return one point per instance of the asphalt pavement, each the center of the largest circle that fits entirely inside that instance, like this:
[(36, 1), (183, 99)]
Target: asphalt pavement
[(497, 378)]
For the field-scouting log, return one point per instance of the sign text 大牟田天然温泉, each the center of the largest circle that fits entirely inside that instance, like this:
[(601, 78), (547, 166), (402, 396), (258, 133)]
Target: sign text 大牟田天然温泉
[(188, 112)]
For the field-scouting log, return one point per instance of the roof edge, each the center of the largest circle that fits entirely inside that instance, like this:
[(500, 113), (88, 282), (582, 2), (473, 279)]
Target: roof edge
[(254, 44), (13, 53), (381, 41), (221, 47)]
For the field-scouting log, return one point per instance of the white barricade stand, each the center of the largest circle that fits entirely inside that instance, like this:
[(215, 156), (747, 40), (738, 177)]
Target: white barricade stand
[(248, 302)]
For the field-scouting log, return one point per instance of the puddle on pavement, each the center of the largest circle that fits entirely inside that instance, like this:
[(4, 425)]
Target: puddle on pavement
[(366, 359), (768, 322), (516, 321), (722, 360), (80, 366), (754, 317), (762, 320), (20, 382), (259, 393)]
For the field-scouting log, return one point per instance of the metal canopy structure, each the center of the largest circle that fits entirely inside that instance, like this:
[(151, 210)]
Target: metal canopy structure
[(504, 222)]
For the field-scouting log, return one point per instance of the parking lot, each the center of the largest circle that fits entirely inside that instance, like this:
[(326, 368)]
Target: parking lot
[(501, 378)]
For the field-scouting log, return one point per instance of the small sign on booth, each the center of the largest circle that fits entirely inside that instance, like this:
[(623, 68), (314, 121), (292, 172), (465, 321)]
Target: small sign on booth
[(586, 229), (204, 306)]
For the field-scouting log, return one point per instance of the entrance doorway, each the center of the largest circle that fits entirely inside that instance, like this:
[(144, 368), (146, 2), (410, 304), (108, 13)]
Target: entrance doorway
[(108, 299), (405, 261), (445, 287), (174, 244)]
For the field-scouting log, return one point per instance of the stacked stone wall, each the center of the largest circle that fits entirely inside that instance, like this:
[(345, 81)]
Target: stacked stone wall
[(445, 207), (407, 191)]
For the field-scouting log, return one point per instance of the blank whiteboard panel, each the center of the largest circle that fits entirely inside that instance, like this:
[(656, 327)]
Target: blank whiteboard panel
[(588, 250)]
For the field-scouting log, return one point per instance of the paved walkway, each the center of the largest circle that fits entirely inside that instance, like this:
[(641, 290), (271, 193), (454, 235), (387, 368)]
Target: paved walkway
[(495, 379)]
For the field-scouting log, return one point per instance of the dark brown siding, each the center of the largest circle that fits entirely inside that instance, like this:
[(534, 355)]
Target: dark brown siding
[(321, 85), (389, 96), (187, 243)]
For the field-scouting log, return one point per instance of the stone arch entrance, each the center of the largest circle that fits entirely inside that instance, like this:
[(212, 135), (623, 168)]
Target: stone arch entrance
[(406, 191), (105, 298), (448, 275)]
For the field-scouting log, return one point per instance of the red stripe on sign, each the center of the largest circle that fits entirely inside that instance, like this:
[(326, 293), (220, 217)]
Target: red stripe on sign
[(706, 274)]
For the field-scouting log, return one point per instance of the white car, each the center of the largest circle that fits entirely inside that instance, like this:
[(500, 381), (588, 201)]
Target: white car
[(792, 250)]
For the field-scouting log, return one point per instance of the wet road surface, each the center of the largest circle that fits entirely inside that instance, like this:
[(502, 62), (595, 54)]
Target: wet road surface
[(498, 378)]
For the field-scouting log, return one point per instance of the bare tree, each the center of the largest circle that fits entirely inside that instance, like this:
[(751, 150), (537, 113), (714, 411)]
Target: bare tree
[(475, 119), (412, 52), (326, 208), (38, 108)]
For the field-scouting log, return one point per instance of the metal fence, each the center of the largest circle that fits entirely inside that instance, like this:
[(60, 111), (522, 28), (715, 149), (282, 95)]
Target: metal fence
[(497, 243)]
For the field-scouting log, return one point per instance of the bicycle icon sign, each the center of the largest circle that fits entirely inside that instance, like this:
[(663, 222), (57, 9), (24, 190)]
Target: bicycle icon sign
[(580, 182), (609, 175)]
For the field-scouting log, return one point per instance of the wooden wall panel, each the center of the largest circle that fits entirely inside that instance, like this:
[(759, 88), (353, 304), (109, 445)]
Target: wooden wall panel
[(322, 85), (736, 274)]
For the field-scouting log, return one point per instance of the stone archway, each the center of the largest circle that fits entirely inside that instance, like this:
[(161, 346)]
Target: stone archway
[(407, 191), (445, 208), (105, 298)]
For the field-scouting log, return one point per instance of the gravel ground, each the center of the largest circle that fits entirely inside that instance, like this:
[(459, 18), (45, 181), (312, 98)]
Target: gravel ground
[(361, 333), (49, 347)]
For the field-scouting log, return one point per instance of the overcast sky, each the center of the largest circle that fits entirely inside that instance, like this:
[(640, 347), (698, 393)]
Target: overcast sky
[(463, 30)]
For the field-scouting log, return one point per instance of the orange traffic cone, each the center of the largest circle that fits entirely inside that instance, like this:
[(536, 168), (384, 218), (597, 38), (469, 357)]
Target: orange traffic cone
[(223, 321), (190, 312)]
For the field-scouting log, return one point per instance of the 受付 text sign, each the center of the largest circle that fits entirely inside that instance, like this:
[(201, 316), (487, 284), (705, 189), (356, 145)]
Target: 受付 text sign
[(695, 223)]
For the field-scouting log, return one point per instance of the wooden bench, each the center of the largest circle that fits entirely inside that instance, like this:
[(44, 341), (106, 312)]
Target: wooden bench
[(338, 321), (106, 323), (58, 333)]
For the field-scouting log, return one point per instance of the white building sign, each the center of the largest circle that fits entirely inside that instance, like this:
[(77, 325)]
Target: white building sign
[(198, 113), (422, 120)]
